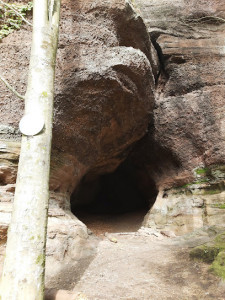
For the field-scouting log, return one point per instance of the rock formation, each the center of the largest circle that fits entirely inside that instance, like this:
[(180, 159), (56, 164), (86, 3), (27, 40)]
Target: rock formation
[(104, 96), (151, 96), (185, 144)]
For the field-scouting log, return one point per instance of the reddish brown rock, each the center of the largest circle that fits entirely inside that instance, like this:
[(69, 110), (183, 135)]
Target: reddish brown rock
[(104, 81), (189, 109), (107, 72), (187, 131), (104, 96)]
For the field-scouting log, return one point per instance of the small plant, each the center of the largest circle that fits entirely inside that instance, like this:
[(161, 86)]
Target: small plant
[(12, 16), (202, 171), (220, 206)]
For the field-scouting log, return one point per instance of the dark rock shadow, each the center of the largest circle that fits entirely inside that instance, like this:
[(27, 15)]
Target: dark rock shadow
[(70, 275)]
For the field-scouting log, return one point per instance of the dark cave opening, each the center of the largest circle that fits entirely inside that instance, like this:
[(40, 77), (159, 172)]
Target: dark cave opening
[(114, 202)]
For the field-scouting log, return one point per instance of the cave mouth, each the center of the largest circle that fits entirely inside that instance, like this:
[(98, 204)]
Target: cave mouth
[(115, 202)]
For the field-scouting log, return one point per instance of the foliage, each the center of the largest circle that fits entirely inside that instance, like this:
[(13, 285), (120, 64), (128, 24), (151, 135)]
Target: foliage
[(9, 19)]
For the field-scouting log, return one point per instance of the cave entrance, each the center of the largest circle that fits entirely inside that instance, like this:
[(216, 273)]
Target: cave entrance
[(115, 202)]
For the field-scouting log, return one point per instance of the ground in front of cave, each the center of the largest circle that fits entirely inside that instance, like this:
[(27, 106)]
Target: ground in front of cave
[(140, 265)]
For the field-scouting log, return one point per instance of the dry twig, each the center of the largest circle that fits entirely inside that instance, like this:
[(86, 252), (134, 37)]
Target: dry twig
[(11, 88)]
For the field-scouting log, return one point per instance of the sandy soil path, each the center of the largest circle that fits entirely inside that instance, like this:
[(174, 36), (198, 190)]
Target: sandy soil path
[(141, 266), (145, 268)]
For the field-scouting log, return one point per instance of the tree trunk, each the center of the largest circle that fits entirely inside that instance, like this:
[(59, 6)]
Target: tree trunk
[(23, 272)]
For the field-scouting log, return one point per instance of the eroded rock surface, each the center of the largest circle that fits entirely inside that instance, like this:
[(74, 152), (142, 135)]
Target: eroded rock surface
[(104, 83), (104, 96), (187, 132), (117, 96)]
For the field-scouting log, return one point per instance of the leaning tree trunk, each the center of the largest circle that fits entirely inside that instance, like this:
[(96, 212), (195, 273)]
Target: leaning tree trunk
[(23, 271)]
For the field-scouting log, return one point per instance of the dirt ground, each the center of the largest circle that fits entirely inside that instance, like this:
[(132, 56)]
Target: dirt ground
[(142, 265), (101, 223)]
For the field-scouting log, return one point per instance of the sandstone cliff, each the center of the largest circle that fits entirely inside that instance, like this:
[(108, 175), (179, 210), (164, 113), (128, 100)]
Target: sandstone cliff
[(185, 144), (139, 83)]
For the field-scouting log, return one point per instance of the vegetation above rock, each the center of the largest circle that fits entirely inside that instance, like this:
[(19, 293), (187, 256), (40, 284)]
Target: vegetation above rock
[(208, 181), (12, 16)]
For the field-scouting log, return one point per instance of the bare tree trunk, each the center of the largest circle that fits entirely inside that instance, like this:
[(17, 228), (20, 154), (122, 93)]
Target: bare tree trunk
[(23, 272)]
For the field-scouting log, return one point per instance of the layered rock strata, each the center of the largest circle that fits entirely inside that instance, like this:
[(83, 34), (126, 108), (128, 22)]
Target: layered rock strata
[(186, 141)]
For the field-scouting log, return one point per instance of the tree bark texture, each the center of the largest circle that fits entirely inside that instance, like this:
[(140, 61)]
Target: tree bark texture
[(23, 272)]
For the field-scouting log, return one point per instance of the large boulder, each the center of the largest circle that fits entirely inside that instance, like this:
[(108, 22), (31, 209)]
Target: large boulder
[(104, 96)]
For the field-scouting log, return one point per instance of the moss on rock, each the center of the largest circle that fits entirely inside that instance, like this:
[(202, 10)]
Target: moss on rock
[(211, 191), (218, 205), (205, 253), (213, 252), (218, 266), (220, 240), (202, 171)]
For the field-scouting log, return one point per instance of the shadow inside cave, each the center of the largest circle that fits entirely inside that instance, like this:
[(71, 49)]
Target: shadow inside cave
[(115, 202)]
